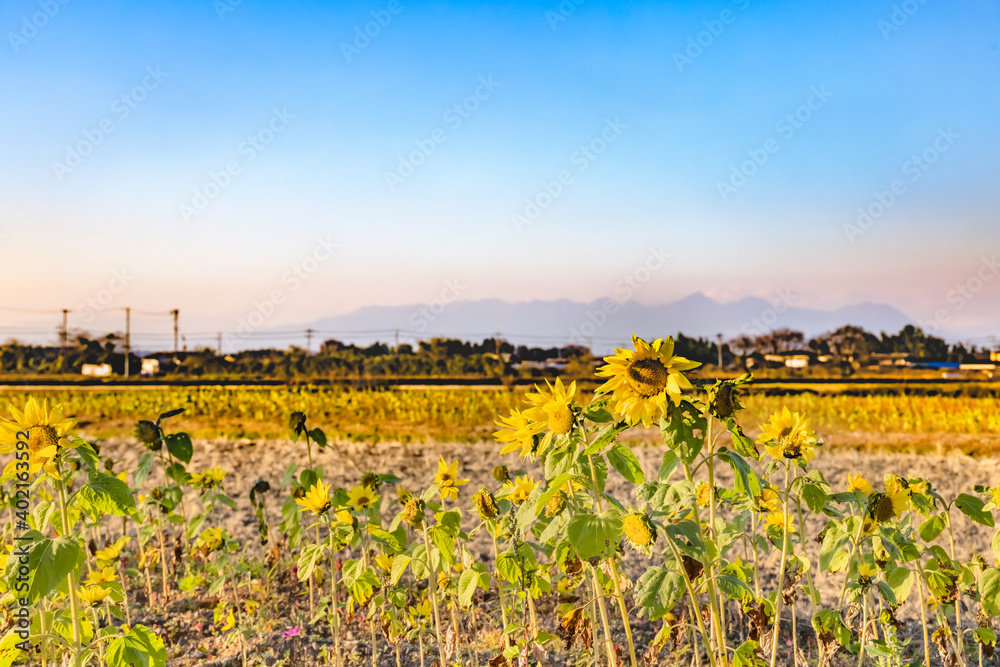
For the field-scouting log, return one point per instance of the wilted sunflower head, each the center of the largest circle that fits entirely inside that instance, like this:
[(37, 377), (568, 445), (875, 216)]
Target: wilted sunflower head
[(555, 505), (501, 474), (149, 434), (413, 512), (724, 397), (370, 480), (639, 531), (486, 504), (641, 381), (297, 423)]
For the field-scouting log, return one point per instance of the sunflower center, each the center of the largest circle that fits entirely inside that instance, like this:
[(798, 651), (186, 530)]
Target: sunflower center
[(42, 437), (647, 377), (561, 420), (883, 509)]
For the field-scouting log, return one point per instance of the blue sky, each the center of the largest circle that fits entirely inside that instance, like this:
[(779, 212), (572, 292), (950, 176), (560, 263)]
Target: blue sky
[(229, 146)]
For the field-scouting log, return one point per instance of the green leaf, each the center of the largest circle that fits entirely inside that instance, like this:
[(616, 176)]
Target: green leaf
[(833, 542), (308, 557), (624, 461), (604, 438), (829, 620), (747, 655), (815, 497), (930, 529), (887, 594), (444, 542), (989, 590), (744, 445), (595, 535), (553, 488), (734, 588), (168, 414), (105, 494), (468, 582), (385, 537), (747, 481), (972, 507), (399, 564), (180, 447), (901, 580), (598, 414), (669, 464), (49, 561), (139, 647), (678, 429), (143, 469), (658, 591), (318, 436), (995, 545), (509, 568), (985, 636)]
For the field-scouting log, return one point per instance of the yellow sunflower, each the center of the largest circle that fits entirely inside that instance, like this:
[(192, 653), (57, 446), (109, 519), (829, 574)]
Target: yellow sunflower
[(768, 500), (857, 482), (316, 499), (209, 478), (517, 431), (641, 381), (552, 406), (447, 480), (94, 595), (362, 497), (111, 553), (787, 436), (639, 531), (523, 486), (46, 431), (102, 576)]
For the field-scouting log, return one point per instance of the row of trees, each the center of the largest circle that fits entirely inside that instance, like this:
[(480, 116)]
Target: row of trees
[(456, 358)]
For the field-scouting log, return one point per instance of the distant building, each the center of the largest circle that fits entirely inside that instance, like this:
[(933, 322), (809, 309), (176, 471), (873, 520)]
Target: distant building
[(96, 370), (150, 367)]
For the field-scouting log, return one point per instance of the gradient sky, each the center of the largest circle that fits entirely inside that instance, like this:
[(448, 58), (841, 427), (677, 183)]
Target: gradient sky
[(894, 86)]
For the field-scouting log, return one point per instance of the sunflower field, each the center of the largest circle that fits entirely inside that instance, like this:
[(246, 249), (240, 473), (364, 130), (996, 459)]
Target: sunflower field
[(585, 557)]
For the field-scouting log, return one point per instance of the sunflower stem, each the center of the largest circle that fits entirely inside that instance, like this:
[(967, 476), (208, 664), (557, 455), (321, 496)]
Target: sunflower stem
[(599, 596), (923, 615), (74, 603), (695, 610), (496, 556), (958, 591), (432, 587), (784, 557)]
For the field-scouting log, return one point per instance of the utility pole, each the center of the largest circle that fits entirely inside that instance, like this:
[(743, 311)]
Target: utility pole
[(397, 341), (219, 346), (719, 336), (128, 341), (309, 341), (65, 331), (175, 312), (496, 342)]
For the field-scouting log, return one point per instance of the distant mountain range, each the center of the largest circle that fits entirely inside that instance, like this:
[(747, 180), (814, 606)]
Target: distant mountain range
[(604, 323)]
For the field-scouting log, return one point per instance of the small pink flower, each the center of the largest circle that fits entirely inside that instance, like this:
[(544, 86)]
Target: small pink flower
[(291, 632)]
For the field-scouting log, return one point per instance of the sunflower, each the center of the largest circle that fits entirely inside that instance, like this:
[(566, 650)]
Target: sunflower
[(94, 595), (884, 507), (211, 539), (552, 406), (486, 504), (641, 381), (384, 561), (46, 436), (110, 554), (787, 436), (768, 500), (857, 482), (102, 576), (316, 499), (995, 495), (209, 478), (703, 494), (866, 573), (447, 480), (518, 431), (780, 520), (639, 531), (523, 486), (362, 497)]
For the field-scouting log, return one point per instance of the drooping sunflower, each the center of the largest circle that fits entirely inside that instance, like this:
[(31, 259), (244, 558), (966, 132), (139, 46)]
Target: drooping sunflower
[(553, 406), (787, 436), (46, 431), (641, 381), (316, 499), (518, 431), (447, 480), (110, 554)]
